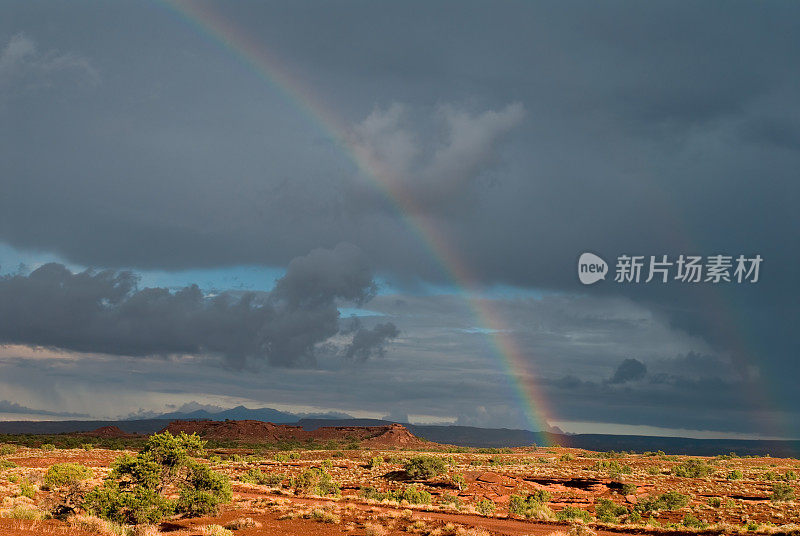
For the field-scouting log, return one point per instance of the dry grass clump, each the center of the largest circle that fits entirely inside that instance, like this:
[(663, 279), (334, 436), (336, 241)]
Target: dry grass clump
[(324, 516), (374, 529), (95, 525), (242, 523), (146, 530), (215, 530), (26, 513)]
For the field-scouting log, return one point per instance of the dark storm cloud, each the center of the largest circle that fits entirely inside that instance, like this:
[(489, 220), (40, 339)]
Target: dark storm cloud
[(628, 370), (12, 407), (368, 342), (650, 128), (104, 312)]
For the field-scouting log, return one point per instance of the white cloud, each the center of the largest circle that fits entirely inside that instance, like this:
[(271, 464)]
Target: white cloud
[(21, 59), (432, 168)]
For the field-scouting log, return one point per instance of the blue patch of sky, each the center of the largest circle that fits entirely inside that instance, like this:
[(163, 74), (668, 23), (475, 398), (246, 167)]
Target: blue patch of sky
[(257, 278)]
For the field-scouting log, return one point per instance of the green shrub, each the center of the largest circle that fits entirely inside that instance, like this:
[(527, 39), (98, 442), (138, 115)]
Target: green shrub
[(315, 481), (715, 502), (628, 489), (424, 467), (735, 475), (138, 488), (671, 500), (530, 506), (26, 489), (458, 481), (692, 522), (375, 462), (6, 449), (692, 469), (256, 476), (782, 492), (410, 494), (87, 446), (7, 464), (608, 511), (65, 474), (612, 466), (485, 506), (571, 512), (48, 446)]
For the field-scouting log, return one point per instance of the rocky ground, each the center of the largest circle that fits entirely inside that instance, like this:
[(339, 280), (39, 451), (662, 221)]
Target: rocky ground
[(477, 492)]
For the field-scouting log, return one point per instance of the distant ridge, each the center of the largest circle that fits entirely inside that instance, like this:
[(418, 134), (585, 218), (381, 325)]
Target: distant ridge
[(452, 435)]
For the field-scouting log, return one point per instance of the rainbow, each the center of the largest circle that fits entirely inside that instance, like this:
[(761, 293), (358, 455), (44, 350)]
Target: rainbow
[(268, 66)]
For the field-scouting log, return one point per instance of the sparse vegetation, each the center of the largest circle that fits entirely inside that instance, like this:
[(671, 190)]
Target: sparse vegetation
[(315, 481), (140, 489), (692, 469), (782, 492), (424, 467), (65, 474)]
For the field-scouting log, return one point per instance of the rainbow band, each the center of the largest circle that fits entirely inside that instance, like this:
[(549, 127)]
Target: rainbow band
[(267, 66)]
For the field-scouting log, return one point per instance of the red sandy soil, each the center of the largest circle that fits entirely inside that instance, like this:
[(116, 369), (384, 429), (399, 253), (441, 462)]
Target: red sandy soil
[(394, 435), (572, 477)]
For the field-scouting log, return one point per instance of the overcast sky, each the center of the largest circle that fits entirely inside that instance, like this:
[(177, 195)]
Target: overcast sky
[(180, 225)]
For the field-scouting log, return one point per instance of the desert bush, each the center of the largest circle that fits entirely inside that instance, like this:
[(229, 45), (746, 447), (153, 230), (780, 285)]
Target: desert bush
[(256, 476), (628, 488), (315, 481), (65, 474), (608, 511), (571, 512), (87, 446), (7, 464), (410, 494), (567, 457), (6, 449), (671, 500), (735, 475), (375, 462), (453, 500), (48, 446), (692, 469), (203, 491), (458, 481), (26, 489), (424, 467), (692, 522), (530, 506), (485, 506), (139, 488), (782, 492), (714, 502), (612, 466)]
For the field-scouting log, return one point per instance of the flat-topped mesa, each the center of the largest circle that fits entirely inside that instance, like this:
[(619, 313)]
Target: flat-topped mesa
[(107, 431), (260, 431)]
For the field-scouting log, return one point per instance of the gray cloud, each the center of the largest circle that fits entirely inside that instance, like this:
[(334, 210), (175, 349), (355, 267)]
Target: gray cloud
[(628, 370), (104, 312), (369, 342), (633, 141), (14, 408), (22, 62)]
